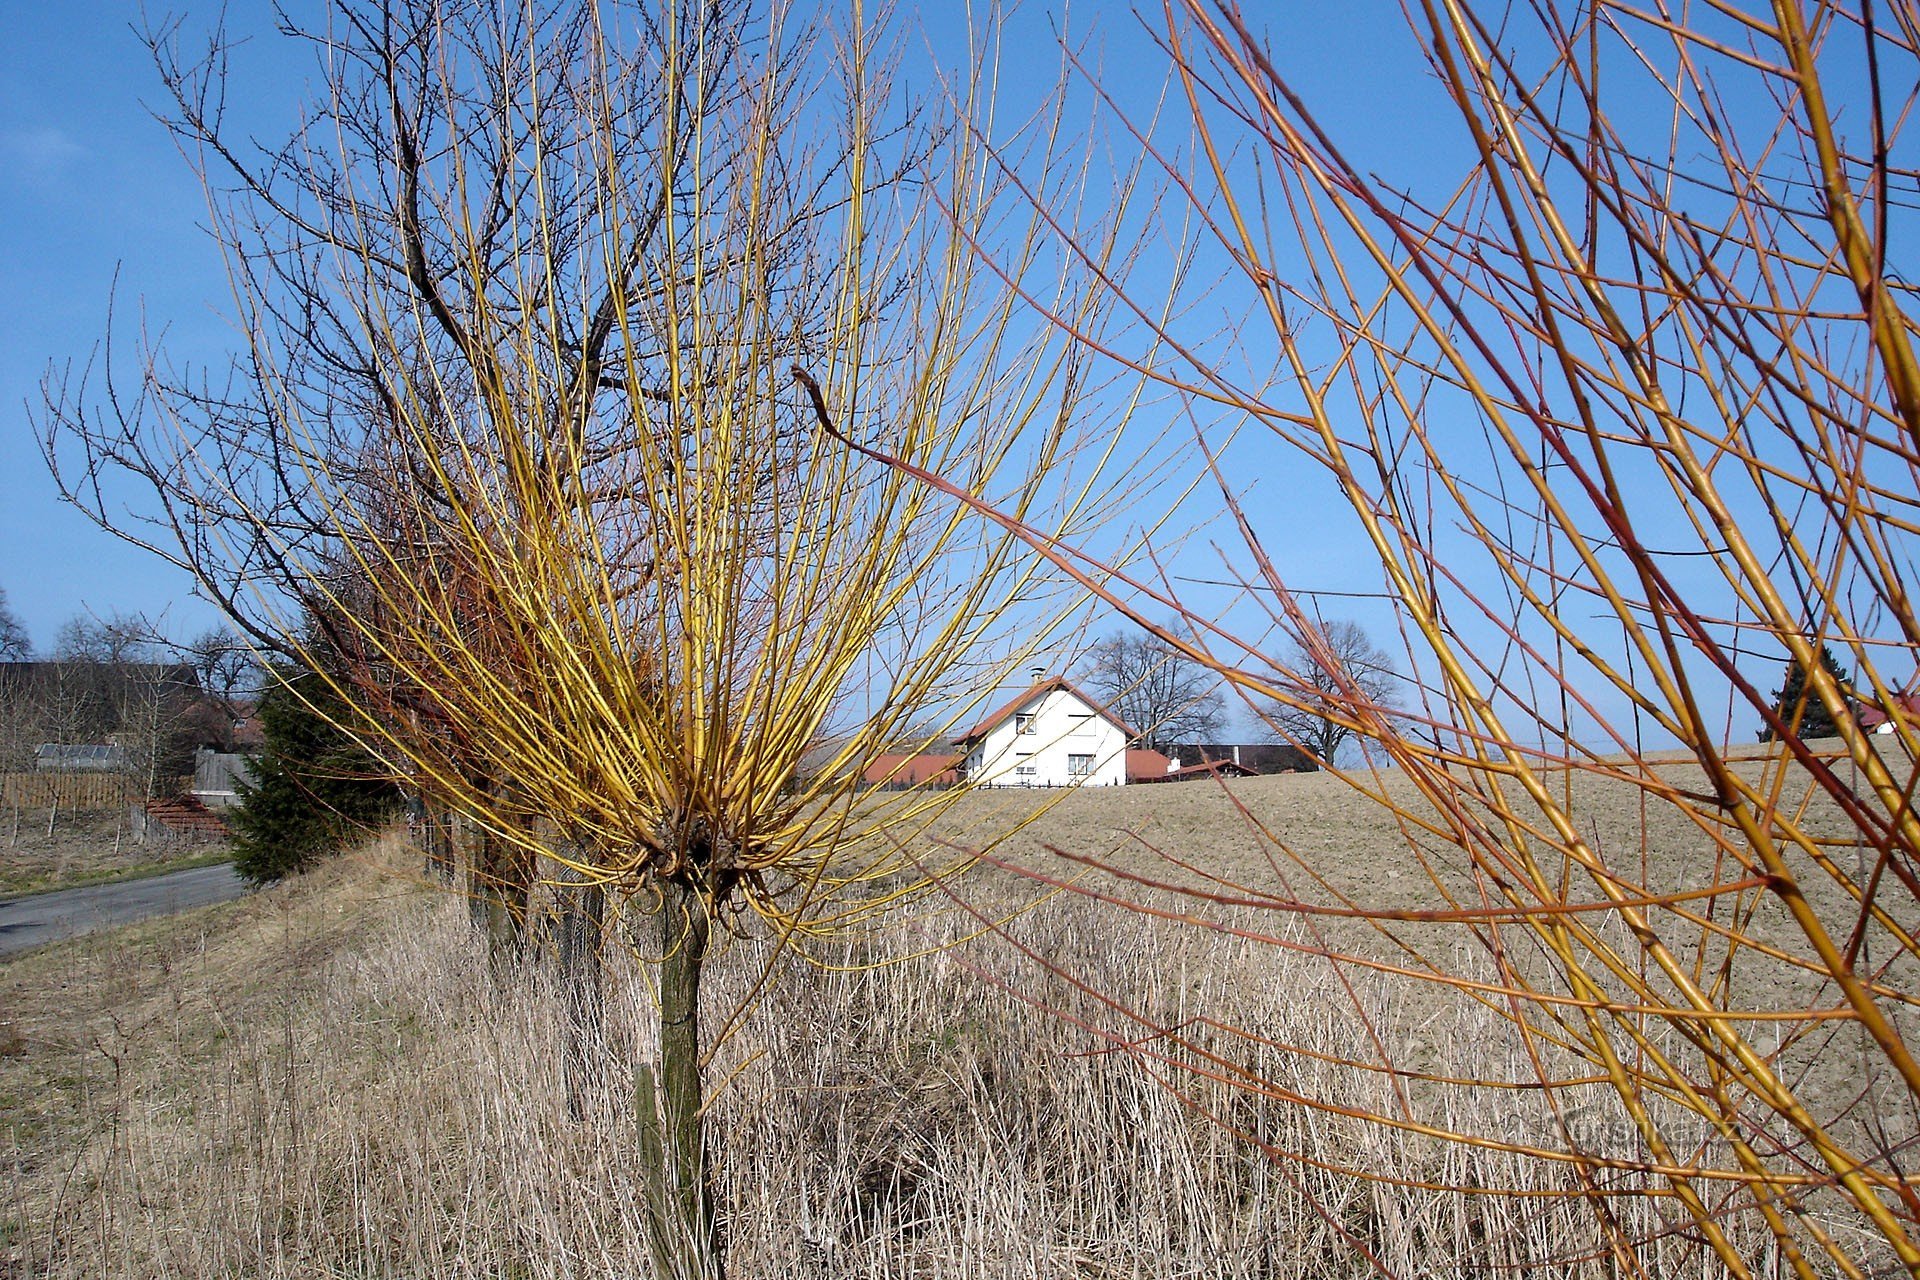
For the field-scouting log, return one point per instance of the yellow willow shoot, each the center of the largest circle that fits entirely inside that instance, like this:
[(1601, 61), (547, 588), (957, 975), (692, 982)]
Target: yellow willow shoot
[(1626, 415), (572, 333), (642, 608)]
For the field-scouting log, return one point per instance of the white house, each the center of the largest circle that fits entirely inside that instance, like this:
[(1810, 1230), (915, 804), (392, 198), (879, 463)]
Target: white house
[(1050, 736)]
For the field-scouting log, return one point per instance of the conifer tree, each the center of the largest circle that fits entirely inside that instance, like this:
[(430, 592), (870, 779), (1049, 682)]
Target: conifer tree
[(314, 788), (1797, 705)]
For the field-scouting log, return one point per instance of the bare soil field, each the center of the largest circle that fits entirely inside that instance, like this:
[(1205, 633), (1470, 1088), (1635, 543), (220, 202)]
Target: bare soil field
[(328, 1078), (85, 846)]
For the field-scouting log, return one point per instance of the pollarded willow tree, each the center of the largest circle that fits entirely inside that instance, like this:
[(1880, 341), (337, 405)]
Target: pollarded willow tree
[(1624, 408), (568, 330)]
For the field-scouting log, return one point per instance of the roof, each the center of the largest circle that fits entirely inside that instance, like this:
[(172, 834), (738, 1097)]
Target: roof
[(248, 733), (1146, 765), (1255, 757), (37, 674), (1048, 685), (1210, 769), (1874, 716), (1186, 773), (911, 770), (79, 756)]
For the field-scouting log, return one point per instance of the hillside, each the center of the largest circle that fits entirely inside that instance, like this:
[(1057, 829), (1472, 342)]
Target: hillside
[(325, 1079)]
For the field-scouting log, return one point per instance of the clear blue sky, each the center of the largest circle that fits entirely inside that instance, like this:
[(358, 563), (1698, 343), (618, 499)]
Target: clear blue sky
[(94, 186)]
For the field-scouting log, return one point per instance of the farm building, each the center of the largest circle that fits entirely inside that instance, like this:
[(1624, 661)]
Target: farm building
[(1201, 770), (1251, 757), (1051, 735), (1144, 764), (1880, 719), (1194, 761), (899, 771)]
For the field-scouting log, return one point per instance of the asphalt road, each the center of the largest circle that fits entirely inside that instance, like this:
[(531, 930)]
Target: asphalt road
[(47, 917)]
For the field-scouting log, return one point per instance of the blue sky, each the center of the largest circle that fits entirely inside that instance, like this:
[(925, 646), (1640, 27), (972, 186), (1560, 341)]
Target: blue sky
[(96, 187)]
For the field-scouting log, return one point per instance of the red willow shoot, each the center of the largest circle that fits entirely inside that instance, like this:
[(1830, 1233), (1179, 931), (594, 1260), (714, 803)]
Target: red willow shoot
[(1626, 419)]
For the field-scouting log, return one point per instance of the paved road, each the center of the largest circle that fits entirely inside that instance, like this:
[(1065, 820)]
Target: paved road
[(48, 917)]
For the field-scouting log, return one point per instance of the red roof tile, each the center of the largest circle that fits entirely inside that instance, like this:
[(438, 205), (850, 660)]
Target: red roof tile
[(1874, 716), (1146, 765), (911, 770)]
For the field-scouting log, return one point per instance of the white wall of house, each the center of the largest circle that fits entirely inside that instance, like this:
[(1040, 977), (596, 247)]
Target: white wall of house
[(1052, 739)]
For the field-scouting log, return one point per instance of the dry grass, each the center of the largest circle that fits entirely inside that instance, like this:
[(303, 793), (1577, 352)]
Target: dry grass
[(325, 1080)]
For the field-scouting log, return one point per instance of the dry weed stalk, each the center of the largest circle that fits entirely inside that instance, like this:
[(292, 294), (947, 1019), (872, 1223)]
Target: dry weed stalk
[(1625, 416), (327, 1078)]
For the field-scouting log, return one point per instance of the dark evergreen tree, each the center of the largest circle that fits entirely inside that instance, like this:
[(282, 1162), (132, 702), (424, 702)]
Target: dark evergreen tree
[(314, 788), (1815, 721)]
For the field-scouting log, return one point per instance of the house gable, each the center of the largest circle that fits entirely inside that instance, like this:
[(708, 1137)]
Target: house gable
[(1033, 694), (1050, 735)]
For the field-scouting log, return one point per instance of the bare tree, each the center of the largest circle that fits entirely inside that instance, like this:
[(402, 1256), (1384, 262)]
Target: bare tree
[(81, 689), (228, 675), (19, 704), (113, 640), (448, 253), (20, 717), (1336, 669), (568, 360), (156, 723), (1163, 695), (377, 245), (118, 680), (14, 645), (110, 685)]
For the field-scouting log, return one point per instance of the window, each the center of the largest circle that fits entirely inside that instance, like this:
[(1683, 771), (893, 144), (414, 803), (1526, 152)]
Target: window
[(1025, 770), (1023, 722), (1080, 766)]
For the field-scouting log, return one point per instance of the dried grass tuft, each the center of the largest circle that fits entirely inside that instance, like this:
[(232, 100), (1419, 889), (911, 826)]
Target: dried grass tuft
[(325, 1080)]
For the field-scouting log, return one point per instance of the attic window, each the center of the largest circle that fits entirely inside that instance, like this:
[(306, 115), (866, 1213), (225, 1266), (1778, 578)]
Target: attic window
[(1023, 722)]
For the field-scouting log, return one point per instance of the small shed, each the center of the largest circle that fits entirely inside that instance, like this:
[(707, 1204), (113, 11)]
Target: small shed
[(900, 771)]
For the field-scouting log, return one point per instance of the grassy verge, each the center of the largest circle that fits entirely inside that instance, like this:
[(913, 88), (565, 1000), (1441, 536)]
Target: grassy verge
[(326, 1079), (114, 875), (41, 850)]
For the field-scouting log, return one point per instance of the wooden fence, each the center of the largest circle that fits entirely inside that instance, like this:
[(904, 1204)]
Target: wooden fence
[(77, 790), (214, 775)]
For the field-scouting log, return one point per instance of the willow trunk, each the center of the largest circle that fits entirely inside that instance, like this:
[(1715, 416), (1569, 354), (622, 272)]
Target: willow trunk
[(673, 1149)]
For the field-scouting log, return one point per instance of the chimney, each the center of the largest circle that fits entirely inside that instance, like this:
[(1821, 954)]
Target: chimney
[(1038, 674)]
